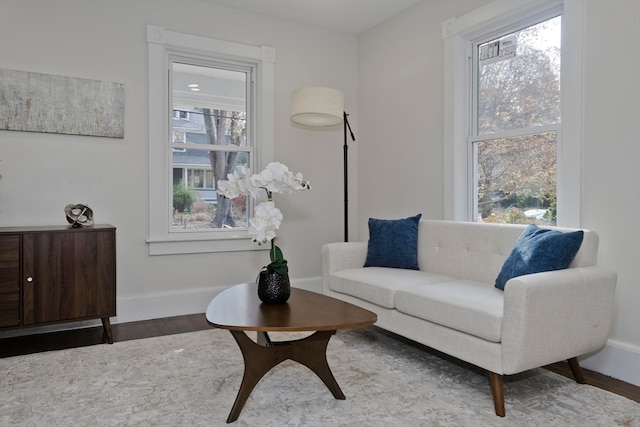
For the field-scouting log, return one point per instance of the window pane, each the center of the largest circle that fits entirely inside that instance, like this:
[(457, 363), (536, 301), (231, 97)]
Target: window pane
[(197, 178), (196, 205), (519, 79), (515, 179), (209, 105)]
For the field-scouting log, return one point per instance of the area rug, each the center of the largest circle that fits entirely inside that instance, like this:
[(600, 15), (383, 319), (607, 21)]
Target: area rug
[(192, 379)]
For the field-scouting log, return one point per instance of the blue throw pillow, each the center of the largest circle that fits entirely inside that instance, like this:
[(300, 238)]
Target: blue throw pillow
[(393, 243), (537, 250)]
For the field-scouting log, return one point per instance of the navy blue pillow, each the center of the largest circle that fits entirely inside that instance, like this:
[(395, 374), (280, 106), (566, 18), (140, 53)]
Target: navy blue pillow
[(393, 243), (537, 250)]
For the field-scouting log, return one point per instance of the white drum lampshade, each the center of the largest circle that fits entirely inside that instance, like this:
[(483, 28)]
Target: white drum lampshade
[(317, 106)]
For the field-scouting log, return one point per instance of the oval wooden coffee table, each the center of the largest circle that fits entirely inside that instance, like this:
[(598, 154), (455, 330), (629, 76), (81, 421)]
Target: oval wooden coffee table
[(239, 309)]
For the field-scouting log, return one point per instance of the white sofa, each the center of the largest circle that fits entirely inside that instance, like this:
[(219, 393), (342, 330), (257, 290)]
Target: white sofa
[(450, 303)]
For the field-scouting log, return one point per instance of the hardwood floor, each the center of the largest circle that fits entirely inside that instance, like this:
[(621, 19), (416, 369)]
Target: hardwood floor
[(27, 344)]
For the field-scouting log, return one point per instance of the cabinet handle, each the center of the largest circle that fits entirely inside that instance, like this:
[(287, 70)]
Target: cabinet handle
[(29, 279)]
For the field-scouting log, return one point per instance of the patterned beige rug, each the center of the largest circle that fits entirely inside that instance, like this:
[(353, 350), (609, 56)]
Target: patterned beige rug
[(192, 380)]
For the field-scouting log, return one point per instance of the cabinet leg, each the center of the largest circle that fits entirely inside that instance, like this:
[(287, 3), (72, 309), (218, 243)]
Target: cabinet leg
[(106, 325)]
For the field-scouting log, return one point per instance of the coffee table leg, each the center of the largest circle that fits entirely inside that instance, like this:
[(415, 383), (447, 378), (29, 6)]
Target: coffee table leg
[(258, 360), (312, 352)]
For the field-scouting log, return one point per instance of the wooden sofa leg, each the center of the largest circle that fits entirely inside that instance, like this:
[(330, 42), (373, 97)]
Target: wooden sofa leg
[(577, 370), (497, 390)]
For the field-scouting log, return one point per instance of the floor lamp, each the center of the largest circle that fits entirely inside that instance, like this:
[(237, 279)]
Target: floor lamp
[(322, 106)]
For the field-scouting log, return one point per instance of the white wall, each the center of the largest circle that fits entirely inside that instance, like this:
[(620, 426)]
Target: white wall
[(611, 175), (400, 104), (400, 95), (106, 40)]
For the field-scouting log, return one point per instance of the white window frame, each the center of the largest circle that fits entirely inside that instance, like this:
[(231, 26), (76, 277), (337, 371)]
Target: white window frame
[(459, 34), (161, 45)]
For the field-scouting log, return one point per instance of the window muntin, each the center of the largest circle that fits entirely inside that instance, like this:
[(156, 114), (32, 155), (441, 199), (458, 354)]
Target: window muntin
[(516, 122)]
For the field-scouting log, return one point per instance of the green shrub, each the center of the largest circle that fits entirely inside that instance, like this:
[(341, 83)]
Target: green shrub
[(183, 197), (551, 214), (515, 216)]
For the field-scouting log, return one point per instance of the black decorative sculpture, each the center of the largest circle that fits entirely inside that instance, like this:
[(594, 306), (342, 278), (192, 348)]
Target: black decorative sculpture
[(79, 215)]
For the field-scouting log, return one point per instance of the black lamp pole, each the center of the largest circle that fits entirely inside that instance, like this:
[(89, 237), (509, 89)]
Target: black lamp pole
[(346, 175)]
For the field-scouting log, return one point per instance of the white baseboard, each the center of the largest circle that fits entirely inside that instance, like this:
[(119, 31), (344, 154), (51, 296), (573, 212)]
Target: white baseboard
[(617, 360), (313, 284), (155, 306), (184, 302), (167, 304)]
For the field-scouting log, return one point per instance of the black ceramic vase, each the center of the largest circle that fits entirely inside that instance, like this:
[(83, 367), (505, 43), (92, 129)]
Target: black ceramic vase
[(273, 288)]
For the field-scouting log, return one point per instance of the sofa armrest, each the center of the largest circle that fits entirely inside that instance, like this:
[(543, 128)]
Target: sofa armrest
[(341, 256), (556, 315)]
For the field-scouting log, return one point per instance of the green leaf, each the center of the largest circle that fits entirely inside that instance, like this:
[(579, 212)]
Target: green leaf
[(279, 266), (276, 254), (278, 263)]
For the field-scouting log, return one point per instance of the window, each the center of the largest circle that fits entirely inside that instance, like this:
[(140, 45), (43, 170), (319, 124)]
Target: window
[(511, 135), (181, 114), (207, 101), (516, 124), (179, 137), (215, 121)]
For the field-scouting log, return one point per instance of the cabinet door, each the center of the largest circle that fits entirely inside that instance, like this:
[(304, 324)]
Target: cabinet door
[(68, 275), (9, 280)]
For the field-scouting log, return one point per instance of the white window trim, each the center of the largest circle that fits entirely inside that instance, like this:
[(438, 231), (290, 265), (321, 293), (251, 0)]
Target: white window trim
[(160, 41), (457, 33)]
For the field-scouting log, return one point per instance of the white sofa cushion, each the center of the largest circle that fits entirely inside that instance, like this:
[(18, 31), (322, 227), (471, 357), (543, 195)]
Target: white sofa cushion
[(477, 251), (378, 285), (467, 306), (468, 251)]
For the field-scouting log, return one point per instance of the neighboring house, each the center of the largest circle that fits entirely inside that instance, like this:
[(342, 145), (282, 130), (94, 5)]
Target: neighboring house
[(192, 167)]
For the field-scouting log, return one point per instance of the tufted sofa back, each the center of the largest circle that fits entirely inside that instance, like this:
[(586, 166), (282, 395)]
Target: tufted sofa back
[(476, 251)]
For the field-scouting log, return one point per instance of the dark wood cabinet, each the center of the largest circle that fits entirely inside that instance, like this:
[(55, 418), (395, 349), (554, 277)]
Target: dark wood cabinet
[(57, 274)]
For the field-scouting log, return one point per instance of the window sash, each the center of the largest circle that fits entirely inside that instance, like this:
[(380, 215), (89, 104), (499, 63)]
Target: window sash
[(478, 135), (209, 101), (509, 156)]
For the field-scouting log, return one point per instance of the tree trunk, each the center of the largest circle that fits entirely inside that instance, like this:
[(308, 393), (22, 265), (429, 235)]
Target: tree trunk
[(222, 162)]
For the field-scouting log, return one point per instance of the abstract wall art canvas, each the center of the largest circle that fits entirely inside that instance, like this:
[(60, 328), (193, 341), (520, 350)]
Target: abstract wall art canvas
[(37, 102)]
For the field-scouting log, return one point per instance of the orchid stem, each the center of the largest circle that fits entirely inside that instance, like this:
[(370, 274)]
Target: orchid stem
[(272, 253)]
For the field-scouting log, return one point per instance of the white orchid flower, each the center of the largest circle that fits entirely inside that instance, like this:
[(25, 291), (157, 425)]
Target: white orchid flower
[(275, 178), (266, 221), (237, 184)]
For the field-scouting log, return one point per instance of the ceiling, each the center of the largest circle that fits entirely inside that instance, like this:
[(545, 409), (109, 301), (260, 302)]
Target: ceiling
[(349, 16)]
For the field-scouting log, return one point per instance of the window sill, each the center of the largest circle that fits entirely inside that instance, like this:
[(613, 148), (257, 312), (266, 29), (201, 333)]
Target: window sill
[(197, 245)]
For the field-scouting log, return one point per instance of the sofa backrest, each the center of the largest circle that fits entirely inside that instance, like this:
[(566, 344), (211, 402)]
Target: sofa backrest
[(476, 251)]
